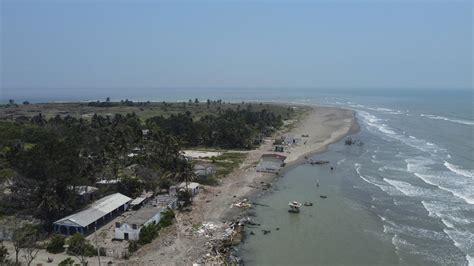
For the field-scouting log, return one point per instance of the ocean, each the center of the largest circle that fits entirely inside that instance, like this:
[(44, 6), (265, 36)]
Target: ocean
[(404, 197)]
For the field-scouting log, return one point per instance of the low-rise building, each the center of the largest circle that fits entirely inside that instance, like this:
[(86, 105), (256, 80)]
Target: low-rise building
[(141, 200), (89, 219), (193, 187), (204, 170), (130, 228)]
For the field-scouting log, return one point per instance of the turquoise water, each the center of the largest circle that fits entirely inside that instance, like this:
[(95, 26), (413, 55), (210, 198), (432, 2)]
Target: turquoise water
[(405, 197)]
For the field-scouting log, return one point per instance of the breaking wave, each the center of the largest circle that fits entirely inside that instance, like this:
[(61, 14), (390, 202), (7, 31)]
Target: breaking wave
[(458, 170), (459, 121)]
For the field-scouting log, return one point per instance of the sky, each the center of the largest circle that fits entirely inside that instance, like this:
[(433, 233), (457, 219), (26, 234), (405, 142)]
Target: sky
[(231, 44)]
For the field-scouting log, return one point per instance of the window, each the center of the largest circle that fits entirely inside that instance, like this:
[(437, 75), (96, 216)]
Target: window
[(134, 226), (117, 225)]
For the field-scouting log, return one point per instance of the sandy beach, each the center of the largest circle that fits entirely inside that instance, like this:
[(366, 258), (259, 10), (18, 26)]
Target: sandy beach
[(180, 244)]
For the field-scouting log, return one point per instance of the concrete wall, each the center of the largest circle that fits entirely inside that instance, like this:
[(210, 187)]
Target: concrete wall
[(268, 166), (133, 234)]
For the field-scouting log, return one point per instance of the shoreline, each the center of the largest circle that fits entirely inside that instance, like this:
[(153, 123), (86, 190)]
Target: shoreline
[(181, 244), (267, 178)]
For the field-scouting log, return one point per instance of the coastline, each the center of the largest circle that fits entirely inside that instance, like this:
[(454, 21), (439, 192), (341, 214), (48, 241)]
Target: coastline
[(180, 244)]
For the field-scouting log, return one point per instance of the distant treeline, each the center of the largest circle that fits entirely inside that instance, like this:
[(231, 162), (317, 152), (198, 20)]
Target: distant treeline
[(126, 102)]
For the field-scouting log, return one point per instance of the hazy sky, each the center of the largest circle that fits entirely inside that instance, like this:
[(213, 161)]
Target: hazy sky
[(349, 44)]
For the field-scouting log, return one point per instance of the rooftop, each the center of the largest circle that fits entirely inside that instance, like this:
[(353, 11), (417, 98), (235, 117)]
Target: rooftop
[(97, 210), (191, 185), (142, 215), (137, 201)]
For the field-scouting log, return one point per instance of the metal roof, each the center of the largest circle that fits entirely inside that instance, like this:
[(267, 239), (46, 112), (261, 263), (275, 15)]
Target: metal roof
[(97, 210), (137, 201), (142, 216)]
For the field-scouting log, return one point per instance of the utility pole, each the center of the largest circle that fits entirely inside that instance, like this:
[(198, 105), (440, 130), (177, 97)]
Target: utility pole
[(96, 244)]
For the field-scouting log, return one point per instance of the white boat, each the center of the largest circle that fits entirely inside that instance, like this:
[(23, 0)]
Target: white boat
[(294, 207)]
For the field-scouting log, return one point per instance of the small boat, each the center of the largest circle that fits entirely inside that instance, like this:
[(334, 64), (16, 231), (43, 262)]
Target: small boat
[(294, 207), (308, 204), (323, 197)]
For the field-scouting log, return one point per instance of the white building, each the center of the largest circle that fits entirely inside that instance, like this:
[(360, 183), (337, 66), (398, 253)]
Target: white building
[(193, 187), (130, 228)]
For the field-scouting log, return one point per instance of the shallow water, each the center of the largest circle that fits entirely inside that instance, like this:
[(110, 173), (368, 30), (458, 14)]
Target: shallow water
[(335, 230), (405, 197)]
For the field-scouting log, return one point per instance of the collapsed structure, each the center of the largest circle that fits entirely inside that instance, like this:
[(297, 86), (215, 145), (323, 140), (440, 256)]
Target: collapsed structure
[(271, 163)]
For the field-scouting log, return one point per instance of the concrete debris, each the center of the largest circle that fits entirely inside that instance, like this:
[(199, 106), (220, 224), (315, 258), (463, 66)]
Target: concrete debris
[(243, 204)]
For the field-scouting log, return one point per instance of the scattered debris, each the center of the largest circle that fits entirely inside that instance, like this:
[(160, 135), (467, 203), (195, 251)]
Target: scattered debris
[(259, 204), (222, 238), (243, 204), (351, 141), (317, 162), (294, 207)]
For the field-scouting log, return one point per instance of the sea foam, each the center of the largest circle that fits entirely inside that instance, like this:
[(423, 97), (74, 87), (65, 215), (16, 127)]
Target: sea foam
[(458, 170), (459, 121)]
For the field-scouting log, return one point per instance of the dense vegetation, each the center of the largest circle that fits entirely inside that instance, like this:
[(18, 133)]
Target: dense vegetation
[(43, 159), (230, 129)]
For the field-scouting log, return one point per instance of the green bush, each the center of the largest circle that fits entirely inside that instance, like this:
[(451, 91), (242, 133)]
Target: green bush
[(56, 245), (164, 183), (67, 262), (208, 181), (166, 218), (79, 245), (132, 246), (90, 251), (148, 233)]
